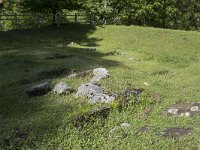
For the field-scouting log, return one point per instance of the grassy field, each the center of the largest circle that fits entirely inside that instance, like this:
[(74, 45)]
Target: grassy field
[(168, 60)]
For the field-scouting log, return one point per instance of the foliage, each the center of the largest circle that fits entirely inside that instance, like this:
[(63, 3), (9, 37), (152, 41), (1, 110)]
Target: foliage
[(175, 14)]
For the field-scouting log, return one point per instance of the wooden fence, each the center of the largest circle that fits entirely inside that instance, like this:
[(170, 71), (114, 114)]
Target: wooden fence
[(38, 20)]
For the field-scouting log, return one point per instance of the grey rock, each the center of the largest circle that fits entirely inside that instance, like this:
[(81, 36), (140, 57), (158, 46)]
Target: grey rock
[(62, 88), (39, 89), (94, 93), (99, 73), (101, 98)]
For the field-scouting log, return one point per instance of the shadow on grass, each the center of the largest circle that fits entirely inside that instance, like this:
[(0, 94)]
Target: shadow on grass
[(24, 122)]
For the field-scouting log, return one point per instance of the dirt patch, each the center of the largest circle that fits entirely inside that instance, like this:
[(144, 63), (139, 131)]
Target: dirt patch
[(161, 72), (145, 114), (127, 97), (57, 56), (144, 129), (175, 132), (184, 109), (88, 117)]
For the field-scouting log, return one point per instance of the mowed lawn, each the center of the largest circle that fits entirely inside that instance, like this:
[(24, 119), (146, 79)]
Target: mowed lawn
[(165, 63)]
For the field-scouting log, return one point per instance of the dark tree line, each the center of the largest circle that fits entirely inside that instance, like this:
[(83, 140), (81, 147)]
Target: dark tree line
[(176, 14)]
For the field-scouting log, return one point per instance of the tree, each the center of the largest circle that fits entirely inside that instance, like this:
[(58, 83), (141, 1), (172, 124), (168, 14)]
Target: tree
[(49, 6)]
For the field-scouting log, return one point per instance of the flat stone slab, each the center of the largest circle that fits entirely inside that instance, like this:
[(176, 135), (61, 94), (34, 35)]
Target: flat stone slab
[(186, 109), (39, 89), (62, 88), (94, 93), (175, 132), (99, 73)]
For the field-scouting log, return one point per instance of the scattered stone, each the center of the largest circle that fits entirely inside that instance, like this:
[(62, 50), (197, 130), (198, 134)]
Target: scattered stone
[(175, 132), (55, 72), (82, 119), (173, 111), (73, 44), (119, 131), (57, 56), (194, 108), (62, 88), (131, 58), (117, 52), (144, 129), (184, 109), (99, 73), (39, 89), (72, 76), (80, 74), (94, 93), (92, 49), (125, 124)]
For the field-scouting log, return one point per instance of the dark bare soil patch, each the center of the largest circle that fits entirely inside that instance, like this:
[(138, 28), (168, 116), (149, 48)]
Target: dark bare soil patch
[(175, 132), (186, 109), (144, 129), (89, 117), (161, 72)]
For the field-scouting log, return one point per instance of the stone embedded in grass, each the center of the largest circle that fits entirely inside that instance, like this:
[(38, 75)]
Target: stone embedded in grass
[(94, 93), (62, 88), (184, 109), (39, 89), (119, 131), (175, 132), (82, 119), (73, 44), (99, 73)]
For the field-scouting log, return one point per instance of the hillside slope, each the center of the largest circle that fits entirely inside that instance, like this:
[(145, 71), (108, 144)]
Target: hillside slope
[(165, 64)]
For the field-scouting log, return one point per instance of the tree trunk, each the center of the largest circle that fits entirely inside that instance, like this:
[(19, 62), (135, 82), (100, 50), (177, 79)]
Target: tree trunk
[(1, 4)]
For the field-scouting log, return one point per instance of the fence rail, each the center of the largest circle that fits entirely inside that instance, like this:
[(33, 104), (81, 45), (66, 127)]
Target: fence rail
[(30, 20)]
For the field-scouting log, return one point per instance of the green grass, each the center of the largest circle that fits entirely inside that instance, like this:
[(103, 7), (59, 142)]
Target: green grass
[(168, 60)]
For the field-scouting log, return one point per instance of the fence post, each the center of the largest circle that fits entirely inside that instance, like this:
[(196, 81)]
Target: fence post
[(58, 20), (76, 17), (16, 21)]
